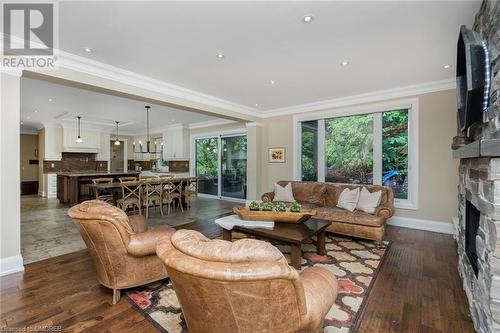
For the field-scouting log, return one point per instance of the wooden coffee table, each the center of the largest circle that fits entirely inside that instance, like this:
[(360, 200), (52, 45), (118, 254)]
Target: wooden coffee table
[(290, 234)]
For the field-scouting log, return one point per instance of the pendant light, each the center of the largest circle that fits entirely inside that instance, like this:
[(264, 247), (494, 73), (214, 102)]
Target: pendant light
[(117, 141), (79, 138), (148, 138)]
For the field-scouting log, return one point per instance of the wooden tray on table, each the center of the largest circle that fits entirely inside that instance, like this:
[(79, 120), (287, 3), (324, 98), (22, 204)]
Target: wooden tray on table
[(287, 217)]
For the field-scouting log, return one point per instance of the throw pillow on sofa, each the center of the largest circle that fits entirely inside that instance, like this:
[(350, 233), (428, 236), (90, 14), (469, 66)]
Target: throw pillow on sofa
[(368, 202), (348, 199), (284, 194)]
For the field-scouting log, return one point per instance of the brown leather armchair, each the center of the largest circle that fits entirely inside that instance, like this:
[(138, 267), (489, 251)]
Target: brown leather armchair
[(245, 286), (121, 247)]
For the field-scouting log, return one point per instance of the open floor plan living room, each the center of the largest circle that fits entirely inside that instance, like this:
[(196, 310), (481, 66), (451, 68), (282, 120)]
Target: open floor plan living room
[(250, 166)]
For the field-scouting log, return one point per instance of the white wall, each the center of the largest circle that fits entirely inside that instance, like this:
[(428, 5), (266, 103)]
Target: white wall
[(10, 196)]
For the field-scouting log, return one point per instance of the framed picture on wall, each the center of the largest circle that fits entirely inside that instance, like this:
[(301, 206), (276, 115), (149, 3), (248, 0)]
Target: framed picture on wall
[(277, 155)]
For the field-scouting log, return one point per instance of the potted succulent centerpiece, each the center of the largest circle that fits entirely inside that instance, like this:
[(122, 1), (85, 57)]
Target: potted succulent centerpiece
[(280, 207), (295, 207), (274, 211), (267, 206), (254, 206)]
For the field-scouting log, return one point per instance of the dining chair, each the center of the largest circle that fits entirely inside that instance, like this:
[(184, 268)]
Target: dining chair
[(191, 189), (131, 195), (152, 194), (127, 179), (171, 190), (103, 194)]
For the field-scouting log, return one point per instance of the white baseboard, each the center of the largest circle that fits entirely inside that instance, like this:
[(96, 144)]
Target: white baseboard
[(11, 265), (420, 224)]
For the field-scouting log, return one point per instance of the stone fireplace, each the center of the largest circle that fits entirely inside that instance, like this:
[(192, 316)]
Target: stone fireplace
[(478, 226)]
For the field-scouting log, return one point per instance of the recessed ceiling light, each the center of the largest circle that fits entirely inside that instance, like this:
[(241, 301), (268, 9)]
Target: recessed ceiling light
[(22, 123), (344, 63), (307, 18), (88, 50), (220, 56), (256, 104), (446, 66), (36, 111), (50, 99), (273, 82)]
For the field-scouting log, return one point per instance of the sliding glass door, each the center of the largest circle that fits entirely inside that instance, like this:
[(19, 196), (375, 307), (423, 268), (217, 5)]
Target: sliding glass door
[(234, 167), (207, 165), (222, 158)]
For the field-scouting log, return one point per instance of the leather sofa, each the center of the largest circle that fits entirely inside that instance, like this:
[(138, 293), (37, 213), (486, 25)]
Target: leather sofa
[(323, 198), (245, 286), (122, 248)]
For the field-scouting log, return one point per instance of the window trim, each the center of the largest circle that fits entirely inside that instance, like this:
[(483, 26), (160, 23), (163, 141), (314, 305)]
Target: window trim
[(412, 104)]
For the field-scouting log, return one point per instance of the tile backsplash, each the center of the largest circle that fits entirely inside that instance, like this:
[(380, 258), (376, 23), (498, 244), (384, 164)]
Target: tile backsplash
[(75, 162)]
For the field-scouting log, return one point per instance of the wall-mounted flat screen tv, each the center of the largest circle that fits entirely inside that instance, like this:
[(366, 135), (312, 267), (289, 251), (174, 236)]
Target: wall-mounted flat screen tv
[(471, 78)]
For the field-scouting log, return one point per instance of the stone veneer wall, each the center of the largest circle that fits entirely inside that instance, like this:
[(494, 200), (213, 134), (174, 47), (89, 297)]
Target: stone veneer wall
[(480, 184)]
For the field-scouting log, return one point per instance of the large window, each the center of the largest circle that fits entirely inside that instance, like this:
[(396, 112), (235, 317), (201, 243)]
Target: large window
[(370, 148), (395, 152), (349, 149), (309, 154)]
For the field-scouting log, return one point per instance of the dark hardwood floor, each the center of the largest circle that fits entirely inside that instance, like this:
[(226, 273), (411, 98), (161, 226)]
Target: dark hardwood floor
[(418, 290)]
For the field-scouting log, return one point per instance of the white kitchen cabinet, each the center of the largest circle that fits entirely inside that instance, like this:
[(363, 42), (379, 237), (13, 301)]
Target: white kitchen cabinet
[(176, 144), (91, 141), (104, 153), (51, 138)]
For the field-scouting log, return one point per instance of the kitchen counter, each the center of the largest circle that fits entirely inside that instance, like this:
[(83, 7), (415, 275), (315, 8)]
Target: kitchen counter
[(74, 187), (96, 173)]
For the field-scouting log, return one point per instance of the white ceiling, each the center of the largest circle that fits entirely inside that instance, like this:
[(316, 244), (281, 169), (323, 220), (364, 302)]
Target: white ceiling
[(388, 44), (99, 111)]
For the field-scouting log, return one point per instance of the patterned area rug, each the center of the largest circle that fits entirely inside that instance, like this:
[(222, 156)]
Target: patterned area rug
[(355, 263)]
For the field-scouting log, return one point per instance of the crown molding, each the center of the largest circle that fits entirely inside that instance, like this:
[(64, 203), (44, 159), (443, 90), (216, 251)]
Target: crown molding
[(375, 96), (88, 66), (253, 124), (209, 123), (102, 70), (81, 64)]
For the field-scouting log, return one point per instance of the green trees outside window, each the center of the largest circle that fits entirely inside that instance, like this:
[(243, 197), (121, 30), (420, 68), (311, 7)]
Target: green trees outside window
[(395, 152), (207, 161), (348, 149), (310, 150)]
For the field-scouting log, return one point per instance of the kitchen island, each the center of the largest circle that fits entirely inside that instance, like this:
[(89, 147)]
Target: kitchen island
[(74, 187)]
